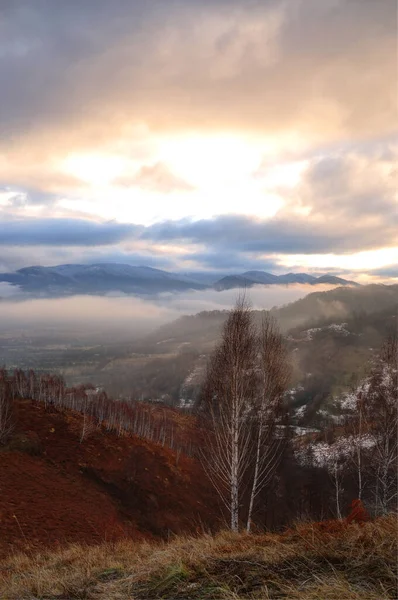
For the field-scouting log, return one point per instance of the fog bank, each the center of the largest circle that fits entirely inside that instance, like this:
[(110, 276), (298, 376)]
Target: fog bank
[(136, 314)]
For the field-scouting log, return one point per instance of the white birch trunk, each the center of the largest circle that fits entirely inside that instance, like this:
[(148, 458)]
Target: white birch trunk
[(256, 476), (235, 482), (359, 455), (337, 490)]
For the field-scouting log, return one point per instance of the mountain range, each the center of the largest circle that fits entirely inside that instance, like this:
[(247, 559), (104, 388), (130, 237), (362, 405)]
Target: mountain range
[(251, 278), (72, 279)]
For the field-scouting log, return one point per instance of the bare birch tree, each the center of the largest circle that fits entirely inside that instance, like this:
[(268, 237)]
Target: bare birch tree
[(358, 443), (273, 376), (228, 396), (355, 427), (242, 397)]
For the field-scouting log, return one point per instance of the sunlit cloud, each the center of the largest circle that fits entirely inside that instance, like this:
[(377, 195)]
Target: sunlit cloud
[(359, 261), (94, 169), (244, 133)]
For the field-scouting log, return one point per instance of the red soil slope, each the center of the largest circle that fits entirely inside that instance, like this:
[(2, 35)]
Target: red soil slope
[(54, 489)]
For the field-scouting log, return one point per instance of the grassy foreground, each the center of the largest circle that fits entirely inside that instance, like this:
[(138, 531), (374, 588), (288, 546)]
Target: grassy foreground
[(311, 562)]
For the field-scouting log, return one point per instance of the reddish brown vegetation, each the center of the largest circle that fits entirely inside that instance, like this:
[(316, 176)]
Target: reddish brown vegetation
[(162, 425), (358, 513), (54, 489), (331, 527)]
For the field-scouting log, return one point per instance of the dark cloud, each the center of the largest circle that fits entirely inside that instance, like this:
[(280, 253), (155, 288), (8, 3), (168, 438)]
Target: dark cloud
[(278, 235), (243, 64), (234, 234), (387, 271), (65, 232)]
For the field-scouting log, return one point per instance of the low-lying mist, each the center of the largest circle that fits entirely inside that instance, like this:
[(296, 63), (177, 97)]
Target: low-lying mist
[(139, 347), (134, 315)]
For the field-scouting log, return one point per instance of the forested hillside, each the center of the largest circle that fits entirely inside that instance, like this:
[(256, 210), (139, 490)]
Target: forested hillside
[(332, 336)]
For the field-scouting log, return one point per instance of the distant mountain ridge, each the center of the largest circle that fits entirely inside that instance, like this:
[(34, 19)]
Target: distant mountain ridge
[(103, 278), (251, 278), (97, 279)]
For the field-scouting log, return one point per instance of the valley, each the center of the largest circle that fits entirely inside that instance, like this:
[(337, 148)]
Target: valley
[(331, 337)]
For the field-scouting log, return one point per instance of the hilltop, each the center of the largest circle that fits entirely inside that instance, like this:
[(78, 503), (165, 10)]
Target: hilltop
[(202, 329)]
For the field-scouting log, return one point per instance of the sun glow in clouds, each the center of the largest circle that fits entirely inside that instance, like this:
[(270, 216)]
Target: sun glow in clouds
[(222, 170), (209, 160), (361, 261), (94, 169)]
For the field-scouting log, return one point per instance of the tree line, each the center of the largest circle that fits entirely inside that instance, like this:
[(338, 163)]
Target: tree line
[(98, 409)]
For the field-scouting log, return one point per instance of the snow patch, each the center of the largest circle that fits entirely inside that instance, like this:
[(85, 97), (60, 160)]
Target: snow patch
[(335, 327), (321, 454), (300, 412)]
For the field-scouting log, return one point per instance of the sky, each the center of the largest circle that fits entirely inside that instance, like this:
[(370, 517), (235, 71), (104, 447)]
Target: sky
[(200, 135)]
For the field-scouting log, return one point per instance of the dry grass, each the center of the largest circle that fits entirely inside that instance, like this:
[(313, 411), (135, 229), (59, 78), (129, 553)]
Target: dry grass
[(307, 563)]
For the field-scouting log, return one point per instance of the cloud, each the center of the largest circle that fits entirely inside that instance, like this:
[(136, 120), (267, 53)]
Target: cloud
[(89, 69), (235, 233), (65, 232), (278, 235), (387, 271), (118, 78), (352, 185), (156, 178), (344, 203), (231, 261), (7, 290), (18, 198)]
